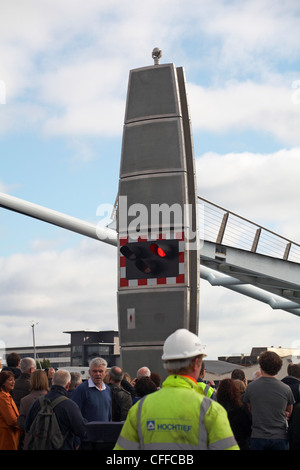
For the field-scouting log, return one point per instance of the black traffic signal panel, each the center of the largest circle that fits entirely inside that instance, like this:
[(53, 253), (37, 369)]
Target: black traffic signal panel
[(151, 259)]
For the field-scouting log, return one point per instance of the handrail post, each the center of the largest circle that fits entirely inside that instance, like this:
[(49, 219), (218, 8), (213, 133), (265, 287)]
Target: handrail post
[(222, 228)]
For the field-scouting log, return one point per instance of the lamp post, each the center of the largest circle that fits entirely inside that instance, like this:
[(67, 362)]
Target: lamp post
[(33, 339)]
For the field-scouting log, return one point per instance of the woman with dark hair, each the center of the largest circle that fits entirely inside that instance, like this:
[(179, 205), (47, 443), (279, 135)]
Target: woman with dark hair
[(156, 378), (144, 386), (229, 396), (9, 430)]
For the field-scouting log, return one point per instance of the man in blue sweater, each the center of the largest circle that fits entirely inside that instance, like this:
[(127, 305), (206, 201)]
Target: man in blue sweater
[(92, 396)]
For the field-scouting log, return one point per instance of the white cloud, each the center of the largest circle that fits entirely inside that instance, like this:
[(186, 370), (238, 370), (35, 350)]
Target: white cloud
[(96, 118), (63, 291), (240, 106), (231, 323), (253, 35), (73, 59), (7, 188), (21, 116), (260, 187)]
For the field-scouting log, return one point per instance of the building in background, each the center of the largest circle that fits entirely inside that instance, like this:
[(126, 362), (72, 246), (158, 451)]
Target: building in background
[(251, 359), (87, 344), (58, 355), (223, 367), (84, 346)]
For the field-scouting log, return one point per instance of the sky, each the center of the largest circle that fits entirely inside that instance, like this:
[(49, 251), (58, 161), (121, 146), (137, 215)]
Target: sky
[(64, 68)]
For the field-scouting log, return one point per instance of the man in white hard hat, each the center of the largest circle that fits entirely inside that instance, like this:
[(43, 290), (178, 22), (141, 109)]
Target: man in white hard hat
[(178, 416)]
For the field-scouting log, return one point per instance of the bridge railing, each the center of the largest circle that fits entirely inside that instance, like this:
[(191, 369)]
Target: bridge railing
[(222, 226)]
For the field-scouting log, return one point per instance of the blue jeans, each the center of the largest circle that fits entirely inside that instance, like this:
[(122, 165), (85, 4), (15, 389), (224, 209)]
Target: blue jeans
[(268, 444)]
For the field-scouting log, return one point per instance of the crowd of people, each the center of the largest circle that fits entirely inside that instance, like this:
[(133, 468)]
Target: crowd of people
[(182, 412)]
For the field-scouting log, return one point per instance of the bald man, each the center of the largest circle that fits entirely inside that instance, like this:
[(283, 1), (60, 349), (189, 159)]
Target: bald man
[(121, 399)]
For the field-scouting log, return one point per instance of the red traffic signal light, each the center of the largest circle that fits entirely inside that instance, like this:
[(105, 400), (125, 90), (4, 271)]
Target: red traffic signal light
[(162, 250), (149, 259)]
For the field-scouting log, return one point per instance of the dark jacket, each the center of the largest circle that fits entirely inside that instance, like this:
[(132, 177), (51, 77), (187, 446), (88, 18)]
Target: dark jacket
[(294, 428), (121, 402), (21, 388), (68, 416), (240, 420), (128, 387), (15, 370), (294, 385)]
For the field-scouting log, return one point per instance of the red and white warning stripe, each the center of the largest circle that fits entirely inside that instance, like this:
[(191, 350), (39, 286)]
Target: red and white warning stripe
[(180, 279)]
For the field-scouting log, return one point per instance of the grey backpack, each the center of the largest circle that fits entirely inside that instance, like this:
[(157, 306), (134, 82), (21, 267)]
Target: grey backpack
[(44, 432)]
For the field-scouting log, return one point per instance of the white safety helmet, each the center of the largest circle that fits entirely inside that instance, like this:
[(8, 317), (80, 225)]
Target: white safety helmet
[(182, 344)]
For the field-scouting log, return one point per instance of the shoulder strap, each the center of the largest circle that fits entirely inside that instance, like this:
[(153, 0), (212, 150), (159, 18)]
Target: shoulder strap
[(41, 399), (58, 400), (54, 402)]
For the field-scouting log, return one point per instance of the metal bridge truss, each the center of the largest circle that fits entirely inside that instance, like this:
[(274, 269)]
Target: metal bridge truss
[(247, 258)]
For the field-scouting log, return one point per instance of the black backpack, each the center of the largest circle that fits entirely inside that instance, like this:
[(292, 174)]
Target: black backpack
[(44, 432)]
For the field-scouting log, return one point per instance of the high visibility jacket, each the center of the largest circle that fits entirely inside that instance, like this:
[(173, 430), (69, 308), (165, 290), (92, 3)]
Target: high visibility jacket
[(208, 390), (177, 417)]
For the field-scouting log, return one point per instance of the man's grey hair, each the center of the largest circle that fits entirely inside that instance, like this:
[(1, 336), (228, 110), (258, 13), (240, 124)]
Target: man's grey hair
[(178, 365), (76, 379), (26, 364), (143, 372), (98, 361), (62, 378)]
